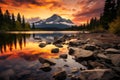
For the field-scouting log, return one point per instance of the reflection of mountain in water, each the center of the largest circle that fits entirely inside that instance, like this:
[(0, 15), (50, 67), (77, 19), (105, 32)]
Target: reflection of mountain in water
[(12, 41), (47, 37)]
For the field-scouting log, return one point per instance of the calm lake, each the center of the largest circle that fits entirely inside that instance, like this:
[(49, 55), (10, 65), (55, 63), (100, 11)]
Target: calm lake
[(20, 51)]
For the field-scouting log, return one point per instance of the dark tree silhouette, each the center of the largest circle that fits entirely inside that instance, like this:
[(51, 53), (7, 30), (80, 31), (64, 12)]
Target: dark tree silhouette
[(19, 17), (1, 18), (23, 22)]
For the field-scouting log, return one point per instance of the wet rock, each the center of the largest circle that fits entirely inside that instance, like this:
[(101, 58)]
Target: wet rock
[(60, 75), (55, 50), (76, 43), (90, 47), (42, 45), (64, 56), (112, 51), (118, 46), (48, 42), (7, 74), (45, 67), (66, 65), (105, 45), (95, 74), (102, 56), (69, 75), (29, 57), (71, 51), (4, 56), (24, 72), (44, 60), (58, 41), (110, 75), (59, 45), (115, 58), (96, 65), (75, 78), (74, 70), (83, 54)]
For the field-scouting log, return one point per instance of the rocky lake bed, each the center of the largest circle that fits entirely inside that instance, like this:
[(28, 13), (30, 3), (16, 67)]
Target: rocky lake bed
[(80, 56)]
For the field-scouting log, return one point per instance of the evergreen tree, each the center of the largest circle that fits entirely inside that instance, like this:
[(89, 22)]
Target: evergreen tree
[(33, 26), (23, 22), (1, 18), (7, 21), (109, 13), (13, 22), (118, 8), (19, 17)]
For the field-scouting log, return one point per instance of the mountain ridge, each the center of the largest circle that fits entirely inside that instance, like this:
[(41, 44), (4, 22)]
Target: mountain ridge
[(55, 21)]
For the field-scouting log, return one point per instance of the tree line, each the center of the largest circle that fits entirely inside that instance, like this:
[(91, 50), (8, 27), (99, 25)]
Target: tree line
[(8, 22), (109, 20)]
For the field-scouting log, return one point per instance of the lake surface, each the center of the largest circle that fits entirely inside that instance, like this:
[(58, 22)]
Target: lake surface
[(20, 52)]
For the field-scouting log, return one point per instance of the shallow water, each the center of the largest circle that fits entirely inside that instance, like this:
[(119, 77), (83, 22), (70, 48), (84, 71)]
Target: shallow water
[(20, 52)]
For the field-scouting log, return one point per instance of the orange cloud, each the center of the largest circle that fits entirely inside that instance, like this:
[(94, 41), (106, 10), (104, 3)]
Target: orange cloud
[(77, 10)]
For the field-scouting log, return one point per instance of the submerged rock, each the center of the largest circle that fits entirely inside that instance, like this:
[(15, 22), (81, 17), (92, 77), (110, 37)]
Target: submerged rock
[(59, 45), (60, 75), (44, 60), (55, 50), (42, 45), (45, 67), (64, 56)]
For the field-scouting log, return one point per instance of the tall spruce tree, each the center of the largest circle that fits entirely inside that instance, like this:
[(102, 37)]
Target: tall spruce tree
[(19, 17), (7, 21), (13, 22), (1, 18), (23, 22), (33, 25), (109, 13)]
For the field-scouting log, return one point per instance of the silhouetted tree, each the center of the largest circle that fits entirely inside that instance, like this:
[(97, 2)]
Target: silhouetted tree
[(109, 13), (33, 26), (23, 22), (13, 22), (19, 17), (1, 18)]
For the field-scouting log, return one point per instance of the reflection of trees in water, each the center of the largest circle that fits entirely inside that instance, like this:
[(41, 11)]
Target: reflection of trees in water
[(10, 41)]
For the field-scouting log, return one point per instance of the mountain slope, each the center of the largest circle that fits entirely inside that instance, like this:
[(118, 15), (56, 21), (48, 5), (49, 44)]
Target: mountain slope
[(55, 21)]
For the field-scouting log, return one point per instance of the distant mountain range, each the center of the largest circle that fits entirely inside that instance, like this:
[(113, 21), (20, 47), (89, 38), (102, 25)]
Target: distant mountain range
[(54, 22)]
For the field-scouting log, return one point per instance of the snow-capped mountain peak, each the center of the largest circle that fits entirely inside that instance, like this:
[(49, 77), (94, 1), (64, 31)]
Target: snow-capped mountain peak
[(55, 21)]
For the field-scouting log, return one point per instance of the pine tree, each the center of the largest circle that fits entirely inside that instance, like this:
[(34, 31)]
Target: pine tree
[(19, 17), (33, 26), (7, 16), (1, 18), (13, 22), (118, 8), (7, 21), (23, 22), (109, 13)]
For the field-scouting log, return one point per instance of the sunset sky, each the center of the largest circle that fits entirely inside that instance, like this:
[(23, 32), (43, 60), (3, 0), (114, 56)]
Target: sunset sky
[(79, 11)]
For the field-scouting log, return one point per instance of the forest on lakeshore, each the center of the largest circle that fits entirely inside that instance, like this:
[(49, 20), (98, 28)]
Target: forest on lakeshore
[(108, 21)]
